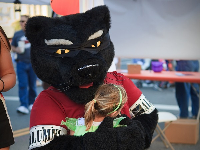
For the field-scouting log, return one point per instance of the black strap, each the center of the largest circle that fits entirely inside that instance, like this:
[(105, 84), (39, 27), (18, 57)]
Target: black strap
[(75, 49)]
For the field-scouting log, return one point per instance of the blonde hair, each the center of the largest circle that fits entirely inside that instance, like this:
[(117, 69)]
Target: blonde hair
[(106, 100)]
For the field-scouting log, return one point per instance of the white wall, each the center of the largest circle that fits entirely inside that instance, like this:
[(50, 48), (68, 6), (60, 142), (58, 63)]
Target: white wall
[(168, 29)]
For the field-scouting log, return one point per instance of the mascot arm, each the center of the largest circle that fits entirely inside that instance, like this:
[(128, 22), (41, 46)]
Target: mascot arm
[(149, 122), (141, 110), (45, 119), (105, 137)]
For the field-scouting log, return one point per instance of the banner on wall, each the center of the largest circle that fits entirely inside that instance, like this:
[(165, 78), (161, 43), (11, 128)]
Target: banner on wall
[(155, 28)]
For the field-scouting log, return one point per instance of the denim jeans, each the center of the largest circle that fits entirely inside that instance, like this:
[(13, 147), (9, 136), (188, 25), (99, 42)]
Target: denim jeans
[(27, 83), (184, 91)]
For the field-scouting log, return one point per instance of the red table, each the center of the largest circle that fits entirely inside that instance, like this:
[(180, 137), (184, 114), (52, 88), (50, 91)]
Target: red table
[(175, 76)]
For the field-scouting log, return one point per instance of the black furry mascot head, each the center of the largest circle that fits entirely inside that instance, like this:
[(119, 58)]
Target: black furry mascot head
[(72, 53)]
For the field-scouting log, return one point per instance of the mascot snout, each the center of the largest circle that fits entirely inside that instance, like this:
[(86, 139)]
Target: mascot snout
[(89, 71)]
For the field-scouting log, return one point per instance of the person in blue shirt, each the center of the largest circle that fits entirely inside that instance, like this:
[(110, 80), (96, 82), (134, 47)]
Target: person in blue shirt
[(186, 91), (25, 73)]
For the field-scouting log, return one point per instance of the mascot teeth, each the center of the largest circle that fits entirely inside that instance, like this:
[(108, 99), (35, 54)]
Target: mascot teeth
[(89, 71), (88, 66)]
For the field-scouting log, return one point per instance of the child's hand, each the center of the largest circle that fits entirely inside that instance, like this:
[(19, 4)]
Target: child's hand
[(125, 121)]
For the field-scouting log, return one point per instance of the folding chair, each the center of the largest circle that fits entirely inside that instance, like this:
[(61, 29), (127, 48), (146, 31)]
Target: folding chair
[(164, 117)]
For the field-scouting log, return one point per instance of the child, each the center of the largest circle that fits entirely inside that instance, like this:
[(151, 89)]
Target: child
[(108, 101)]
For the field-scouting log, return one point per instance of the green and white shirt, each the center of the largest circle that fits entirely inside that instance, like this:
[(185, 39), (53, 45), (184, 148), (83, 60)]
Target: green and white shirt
[(78, 125)]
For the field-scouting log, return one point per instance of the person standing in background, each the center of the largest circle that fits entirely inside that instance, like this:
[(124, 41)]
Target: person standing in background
[(7, 81), (26, 76), (185, 91)]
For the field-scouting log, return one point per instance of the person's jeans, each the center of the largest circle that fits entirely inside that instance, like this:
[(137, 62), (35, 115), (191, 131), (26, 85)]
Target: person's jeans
[(27, 83), (184, 91)]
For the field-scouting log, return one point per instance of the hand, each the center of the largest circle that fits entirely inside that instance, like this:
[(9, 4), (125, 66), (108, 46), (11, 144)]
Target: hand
[(125, 121), (18, 50), (104, 138)]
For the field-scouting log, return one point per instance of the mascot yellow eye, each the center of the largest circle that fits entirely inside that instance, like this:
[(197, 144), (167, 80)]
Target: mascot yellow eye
[(66, 51), (97, 45), (62, 51)]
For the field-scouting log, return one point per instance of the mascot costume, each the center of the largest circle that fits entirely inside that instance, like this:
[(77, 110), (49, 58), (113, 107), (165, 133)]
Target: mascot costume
[(73, 54)]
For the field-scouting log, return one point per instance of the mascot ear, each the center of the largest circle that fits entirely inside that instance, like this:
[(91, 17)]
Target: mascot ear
[(101, 13), (35, 28)]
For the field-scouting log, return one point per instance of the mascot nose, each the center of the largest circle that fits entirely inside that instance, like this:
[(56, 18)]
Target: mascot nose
[(89, 71)]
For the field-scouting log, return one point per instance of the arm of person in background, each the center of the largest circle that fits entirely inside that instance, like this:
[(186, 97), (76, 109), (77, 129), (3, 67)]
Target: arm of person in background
[(15, 49), (14, 44), (7, 72)]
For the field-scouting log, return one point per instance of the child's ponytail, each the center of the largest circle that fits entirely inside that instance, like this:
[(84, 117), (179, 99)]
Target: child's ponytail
[(108, 99), (89, 114)]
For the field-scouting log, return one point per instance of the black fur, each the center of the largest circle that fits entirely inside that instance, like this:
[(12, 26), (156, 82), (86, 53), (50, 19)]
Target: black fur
[(64, 74), (149, 122), (105, 138)]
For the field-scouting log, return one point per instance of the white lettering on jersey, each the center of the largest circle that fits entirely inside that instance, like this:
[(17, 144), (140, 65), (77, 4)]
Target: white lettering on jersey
[(42, 134), (141, 106)]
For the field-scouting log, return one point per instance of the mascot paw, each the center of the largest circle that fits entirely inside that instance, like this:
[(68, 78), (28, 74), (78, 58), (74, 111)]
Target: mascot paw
[(106, 123), (125, 121), (131, 137), (64, 142)]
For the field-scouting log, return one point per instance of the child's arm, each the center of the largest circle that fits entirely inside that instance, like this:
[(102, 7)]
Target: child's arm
[(71, 132), (71, 124)]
